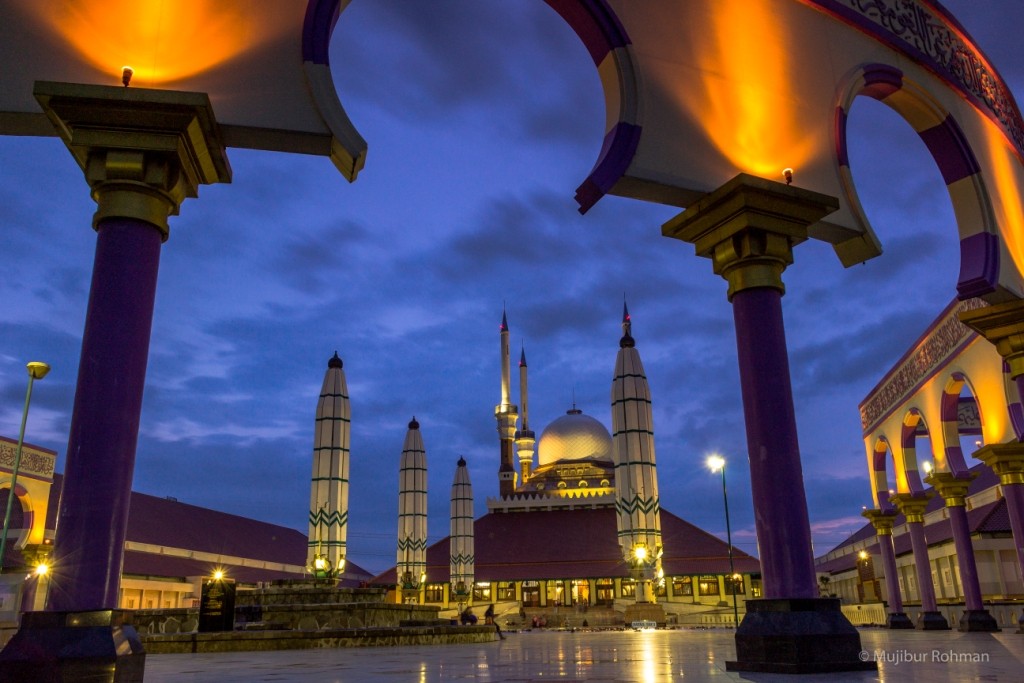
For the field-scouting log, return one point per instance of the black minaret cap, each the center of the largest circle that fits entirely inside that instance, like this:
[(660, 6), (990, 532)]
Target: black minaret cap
[(627, 339), (522, 358), (413, 424), (462, 462), (334, 362), (504, 321)]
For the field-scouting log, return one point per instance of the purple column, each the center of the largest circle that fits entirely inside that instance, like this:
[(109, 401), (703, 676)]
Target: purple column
[(965, 557), (892, 581), (1014, 495), (93, 515), (776, 476), (924, 573)]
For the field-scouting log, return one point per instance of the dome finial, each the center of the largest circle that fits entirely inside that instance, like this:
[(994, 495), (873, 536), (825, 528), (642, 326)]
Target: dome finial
[(462, 462), (335, 362), (414, 424)]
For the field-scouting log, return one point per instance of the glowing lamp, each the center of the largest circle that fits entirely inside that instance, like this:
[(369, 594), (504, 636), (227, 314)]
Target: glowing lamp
[(319, 563), (126, 75), (42, 568), (787, 173), (715, 463), (38, 369), (927, 467), (640, 553), (863, 554), (218, 575)]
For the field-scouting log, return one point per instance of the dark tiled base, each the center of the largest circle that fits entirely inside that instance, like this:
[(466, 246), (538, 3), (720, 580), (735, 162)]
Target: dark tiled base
[(898, 620), (978, 620), (932, 621), (797, 636), (82, 647)]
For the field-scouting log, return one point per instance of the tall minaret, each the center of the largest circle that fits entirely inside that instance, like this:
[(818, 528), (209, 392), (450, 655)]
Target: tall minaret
[(462, 559), (636, 481), (411, 569), (328, 496), (524, 437), (506, 415)]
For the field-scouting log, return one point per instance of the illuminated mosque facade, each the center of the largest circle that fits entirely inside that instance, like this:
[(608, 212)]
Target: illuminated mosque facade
[(579, 523)]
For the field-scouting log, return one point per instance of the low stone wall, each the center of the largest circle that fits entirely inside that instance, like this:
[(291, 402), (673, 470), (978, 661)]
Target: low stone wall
[(177, 620), (251, 641), (295, 593), (311, 617)]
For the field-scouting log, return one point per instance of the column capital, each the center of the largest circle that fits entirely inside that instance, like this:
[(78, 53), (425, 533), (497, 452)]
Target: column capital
[(1005, 459), (912, 505), (952, 488), (143, 151), (1002, 325), (748, 228), (882, 520)]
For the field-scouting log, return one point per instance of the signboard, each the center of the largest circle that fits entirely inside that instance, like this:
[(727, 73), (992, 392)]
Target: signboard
[(217, 606)]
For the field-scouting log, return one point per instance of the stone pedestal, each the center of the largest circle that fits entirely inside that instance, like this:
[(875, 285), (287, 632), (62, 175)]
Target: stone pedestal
[(898, 620), (645, 611), (978, 620), (98, 646), (932, 621), (797, 636)]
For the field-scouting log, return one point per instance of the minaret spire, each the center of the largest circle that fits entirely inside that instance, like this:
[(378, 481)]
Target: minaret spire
[(411, 568), (506, 414), (627, 328), (525, 438), (462, 560), (328, 496), (636, 484)]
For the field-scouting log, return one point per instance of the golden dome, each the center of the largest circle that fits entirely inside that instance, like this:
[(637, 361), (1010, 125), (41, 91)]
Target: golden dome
[(574, 436)]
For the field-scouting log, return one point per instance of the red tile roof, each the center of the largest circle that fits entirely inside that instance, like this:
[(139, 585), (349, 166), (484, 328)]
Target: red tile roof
[(168, 523), (576, 544)]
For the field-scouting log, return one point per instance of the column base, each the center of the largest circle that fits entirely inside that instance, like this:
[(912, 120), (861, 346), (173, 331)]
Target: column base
[(898, 620), (98, 646), (978, 620), (797, 636), (932, 621)]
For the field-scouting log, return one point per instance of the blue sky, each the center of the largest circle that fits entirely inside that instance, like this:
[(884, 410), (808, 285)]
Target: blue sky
[(480, 124)]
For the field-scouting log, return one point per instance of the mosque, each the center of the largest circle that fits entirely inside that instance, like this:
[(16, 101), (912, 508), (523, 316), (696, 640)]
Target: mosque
[(580, 524)]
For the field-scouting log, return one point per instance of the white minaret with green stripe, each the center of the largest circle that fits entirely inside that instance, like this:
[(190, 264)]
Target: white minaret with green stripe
[(412, 515), (636, 482), (462, 559), (328, 496)]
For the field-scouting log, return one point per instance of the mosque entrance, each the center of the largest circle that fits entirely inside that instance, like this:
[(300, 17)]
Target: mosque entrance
[(580, 592), (531, 594)]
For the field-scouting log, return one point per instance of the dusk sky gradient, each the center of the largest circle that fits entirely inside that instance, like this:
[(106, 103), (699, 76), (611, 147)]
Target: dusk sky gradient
[(482, 118)]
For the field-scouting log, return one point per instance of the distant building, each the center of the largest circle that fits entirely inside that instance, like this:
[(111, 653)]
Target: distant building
[(170, 547)]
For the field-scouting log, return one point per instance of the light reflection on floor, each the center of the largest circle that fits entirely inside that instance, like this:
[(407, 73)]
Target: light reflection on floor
[(597, 657)]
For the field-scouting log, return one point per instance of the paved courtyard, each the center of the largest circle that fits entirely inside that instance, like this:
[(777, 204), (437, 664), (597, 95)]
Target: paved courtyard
[(644, 657)]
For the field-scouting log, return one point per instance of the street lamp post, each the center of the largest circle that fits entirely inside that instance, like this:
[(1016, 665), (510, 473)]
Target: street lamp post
[(36, 370), (716, 463)]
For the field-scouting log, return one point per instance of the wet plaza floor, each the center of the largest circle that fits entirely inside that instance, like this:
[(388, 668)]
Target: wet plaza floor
[(643, 657)]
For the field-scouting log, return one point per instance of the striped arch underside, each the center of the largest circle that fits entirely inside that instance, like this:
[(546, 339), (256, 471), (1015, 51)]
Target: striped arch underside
[(922, 31), (949, 411), (979, 252), (933, 39)]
